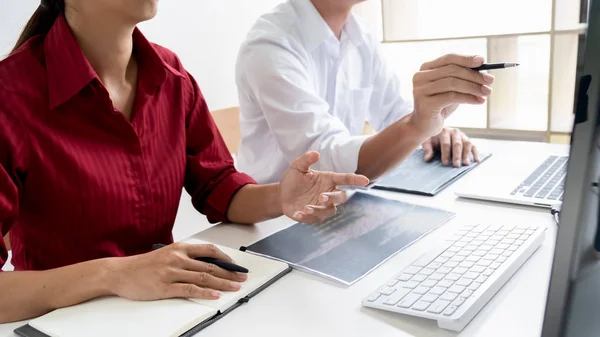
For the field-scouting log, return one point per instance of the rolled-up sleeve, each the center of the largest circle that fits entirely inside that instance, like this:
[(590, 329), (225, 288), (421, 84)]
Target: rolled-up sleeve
[(13, 163), (280, 83), (211, 178)]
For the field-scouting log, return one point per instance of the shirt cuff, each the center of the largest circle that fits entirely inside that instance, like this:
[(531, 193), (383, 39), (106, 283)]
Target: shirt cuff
[(346, 156), (218, 201)]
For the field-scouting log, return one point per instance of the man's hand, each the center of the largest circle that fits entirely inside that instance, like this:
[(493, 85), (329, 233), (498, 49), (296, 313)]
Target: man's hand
[(442, 84), (454, 145), (311, 196), (172, 272)]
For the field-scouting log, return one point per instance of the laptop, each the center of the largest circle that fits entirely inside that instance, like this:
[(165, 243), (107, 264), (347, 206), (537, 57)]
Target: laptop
[(535, 180)]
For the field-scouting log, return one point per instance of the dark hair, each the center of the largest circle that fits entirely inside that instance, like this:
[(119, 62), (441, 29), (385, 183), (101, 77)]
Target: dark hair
[(41, 21)]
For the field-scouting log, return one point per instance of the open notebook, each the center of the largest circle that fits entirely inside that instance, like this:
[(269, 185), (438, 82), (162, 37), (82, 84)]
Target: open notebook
[(114, 316)]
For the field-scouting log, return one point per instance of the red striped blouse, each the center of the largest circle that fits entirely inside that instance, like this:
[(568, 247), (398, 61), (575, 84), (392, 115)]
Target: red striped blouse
[(79, 181)]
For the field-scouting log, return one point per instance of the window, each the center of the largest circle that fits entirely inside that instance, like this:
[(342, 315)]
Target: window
[(533, 101)]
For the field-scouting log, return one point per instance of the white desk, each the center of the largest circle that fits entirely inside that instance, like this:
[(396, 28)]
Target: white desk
[(301, 304)]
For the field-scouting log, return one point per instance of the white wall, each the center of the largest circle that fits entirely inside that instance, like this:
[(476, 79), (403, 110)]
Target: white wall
[(206, 35)]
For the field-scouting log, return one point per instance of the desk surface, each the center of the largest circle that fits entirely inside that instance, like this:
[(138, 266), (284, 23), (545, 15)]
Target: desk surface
[(301, 304)]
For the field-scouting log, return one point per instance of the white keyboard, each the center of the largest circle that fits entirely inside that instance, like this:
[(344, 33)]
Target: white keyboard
[(453, 282)]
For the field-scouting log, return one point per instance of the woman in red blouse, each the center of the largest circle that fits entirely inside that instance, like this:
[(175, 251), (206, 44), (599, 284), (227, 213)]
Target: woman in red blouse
[(99, 132)]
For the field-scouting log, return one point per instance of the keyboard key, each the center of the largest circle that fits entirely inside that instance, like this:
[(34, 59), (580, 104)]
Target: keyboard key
[(456, 289), (454, 238), (451, 309), (461, 244), (502, 246), (518, 231), (449, 296), (501, 259), (488, 272), (506, 254), (483, 237), (479, 252), (470, 248), (391, 283), (462, 232), (385, 290), (474, 286), (438, 306), (410, 284), (480, 229), (373, 297), (497, 251), (421, 290), (489, 232), (495, 265), (453, 249), (421, 306), (481, 279), (460, 270), (447, 254), (412, 270), (453, 277), (471, 275), (446, 283), (434, 265), (466, 264), (427, 271), (426, 258), (397, 296), (508, 241), (458, 302), (519, 242), (444, 270), (496, 238), (441, 260), (495, 227), (529, 232), (465, 282), (428, 283), (477, 269), (484, 263), (466, 294), (457, 258), (419, 278), (430, 298), (492, 257), (486, 247), (437, 276), (437, 290), (503, 232), (493, 242), (404, 277), (512, 248), (512, 236), (409, 300), (451, 264), (463, 253), (472, 258), (477, 242)]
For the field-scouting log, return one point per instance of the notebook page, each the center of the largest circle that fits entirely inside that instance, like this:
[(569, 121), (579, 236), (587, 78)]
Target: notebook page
[(114, 316), (261, 271)]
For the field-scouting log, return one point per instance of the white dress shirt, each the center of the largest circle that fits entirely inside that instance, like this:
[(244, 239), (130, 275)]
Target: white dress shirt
[(301, 89)]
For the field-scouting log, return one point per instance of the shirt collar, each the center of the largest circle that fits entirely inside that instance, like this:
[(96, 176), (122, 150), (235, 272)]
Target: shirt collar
[(69, 71), (316, 31)]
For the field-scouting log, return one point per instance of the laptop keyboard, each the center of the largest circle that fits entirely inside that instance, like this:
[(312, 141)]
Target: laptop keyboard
[(547, 181)]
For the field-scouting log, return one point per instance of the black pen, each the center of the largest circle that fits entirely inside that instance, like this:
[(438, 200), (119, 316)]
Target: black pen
[(219, 263), (490, 66)]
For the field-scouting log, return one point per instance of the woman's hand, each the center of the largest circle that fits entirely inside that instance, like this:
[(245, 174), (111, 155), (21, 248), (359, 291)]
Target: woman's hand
[(172, 272), (311, 196)]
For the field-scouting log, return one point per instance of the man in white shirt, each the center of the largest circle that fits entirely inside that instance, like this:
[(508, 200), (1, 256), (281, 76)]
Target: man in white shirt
[(309, 76)]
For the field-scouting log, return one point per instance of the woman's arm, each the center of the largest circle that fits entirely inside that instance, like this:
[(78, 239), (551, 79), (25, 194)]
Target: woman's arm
[(165, 273)]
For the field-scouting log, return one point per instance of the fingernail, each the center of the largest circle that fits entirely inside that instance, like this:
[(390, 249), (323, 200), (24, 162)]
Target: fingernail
[(467, 162), (235, 285), (216, 294), (477, 60), (324, 198), (486, 90), (298, 216), (487, 78), (310, 210), (457, 163), (242, 277)]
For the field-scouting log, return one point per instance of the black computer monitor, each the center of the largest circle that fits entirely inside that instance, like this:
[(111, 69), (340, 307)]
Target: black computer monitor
[(573, 303)]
